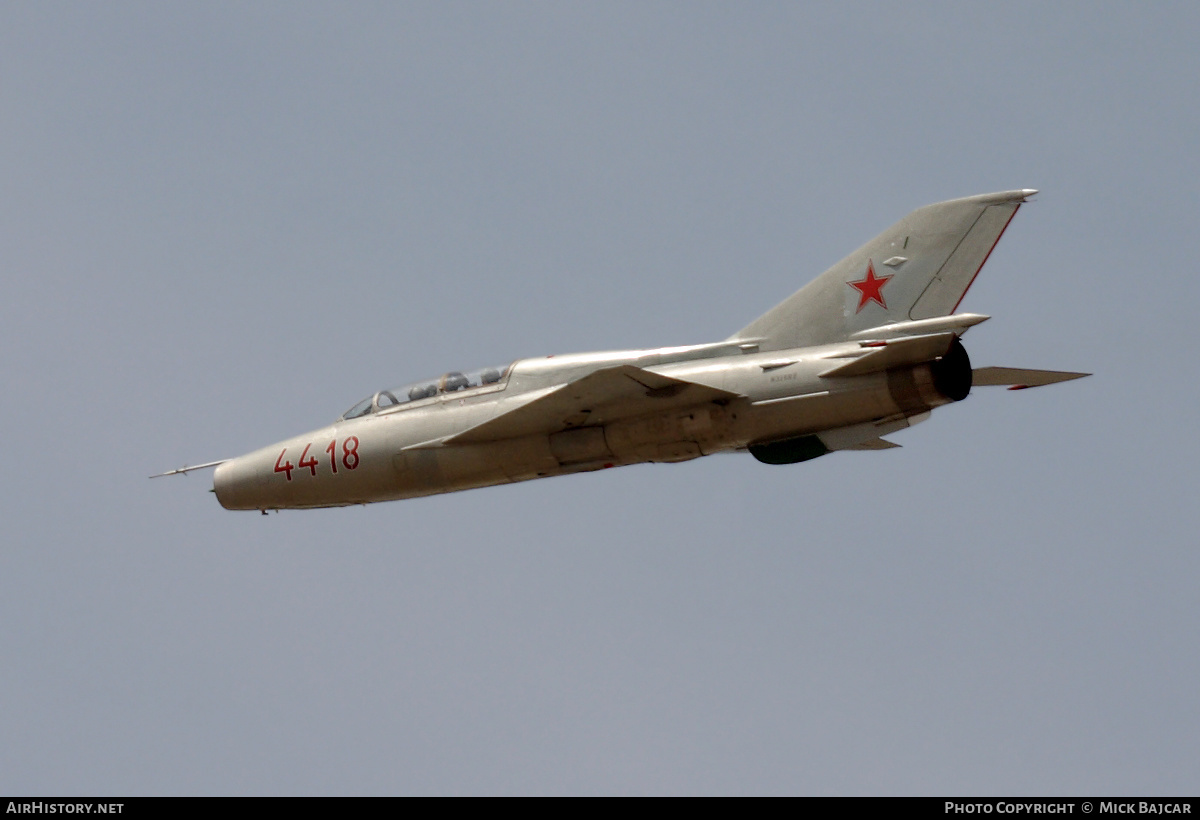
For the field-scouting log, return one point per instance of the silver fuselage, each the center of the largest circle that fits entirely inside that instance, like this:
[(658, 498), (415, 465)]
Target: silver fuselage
[(399, 452)]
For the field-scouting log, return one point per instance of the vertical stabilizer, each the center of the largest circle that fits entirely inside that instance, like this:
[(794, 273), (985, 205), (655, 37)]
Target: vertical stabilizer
[(919, 268)]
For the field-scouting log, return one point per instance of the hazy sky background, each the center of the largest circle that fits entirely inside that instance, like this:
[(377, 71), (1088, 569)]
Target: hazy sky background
[(224, 223)]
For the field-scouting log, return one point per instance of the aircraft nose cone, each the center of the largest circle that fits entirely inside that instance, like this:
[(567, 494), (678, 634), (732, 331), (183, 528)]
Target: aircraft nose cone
[(236, 484)]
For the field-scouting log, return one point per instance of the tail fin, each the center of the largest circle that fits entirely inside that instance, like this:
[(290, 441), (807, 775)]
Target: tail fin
[(919, 268)]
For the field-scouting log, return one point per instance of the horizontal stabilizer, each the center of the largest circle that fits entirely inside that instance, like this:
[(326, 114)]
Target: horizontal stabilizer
[(1017, 379), (608, 394), (896, 352)]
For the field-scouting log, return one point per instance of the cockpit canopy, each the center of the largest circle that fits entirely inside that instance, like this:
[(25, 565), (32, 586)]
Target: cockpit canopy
[(452, 382)]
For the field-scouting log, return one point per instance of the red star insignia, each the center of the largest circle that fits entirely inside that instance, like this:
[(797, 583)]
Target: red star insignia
[(870, 288)]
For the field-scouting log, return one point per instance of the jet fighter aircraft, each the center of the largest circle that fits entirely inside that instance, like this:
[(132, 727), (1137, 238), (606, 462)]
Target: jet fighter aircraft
[(868, 348)]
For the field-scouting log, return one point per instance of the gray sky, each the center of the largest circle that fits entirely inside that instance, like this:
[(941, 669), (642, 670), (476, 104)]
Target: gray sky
[(222, 224)]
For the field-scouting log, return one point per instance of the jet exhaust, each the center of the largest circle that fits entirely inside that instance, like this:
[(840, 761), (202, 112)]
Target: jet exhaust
[(952, 373)]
